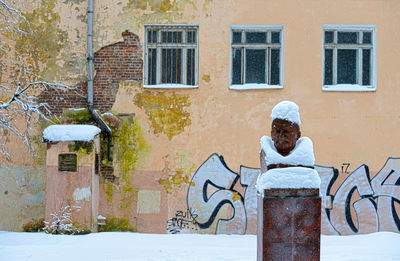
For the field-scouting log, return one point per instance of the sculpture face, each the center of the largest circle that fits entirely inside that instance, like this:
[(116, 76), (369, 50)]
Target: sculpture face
[(284, 135)]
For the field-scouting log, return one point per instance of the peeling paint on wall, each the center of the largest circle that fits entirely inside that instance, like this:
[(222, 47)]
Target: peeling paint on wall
[(167, 114), (82, 194), (182, 173), (206, 78), (153, 5), (139, 12), (74, 1), (206, 4), (40, 46)]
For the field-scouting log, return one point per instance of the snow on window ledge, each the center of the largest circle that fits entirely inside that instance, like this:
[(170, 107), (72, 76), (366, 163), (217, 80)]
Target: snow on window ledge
[(254, 86), (171, 86), (349, 88)]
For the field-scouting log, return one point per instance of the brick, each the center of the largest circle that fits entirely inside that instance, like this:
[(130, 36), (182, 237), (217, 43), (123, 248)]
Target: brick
[(117, 62)]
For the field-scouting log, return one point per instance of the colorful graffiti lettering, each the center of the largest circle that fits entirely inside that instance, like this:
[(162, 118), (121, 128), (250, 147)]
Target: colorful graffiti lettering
[(217, 207)]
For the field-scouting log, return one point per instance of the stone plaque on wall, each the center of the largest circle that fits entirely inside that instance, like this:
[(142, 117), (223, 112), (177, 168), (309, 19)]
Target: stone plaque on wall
[(67, 162)]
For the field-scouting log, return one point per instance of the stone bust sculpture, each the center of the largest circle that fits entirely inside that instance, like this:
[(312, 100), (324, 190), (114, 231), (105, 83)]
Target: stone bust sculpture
[(286, 147)]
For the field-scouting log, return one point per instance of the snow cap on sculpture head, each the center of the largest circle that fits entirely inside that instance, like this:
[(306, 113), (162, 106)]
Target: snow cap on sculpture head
[(285, 129), (286, 110)]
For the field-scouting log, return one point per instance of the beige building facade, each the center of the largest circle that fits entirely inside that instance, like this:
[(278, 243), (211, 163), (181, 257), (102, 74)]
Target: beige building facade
[(190, 86)]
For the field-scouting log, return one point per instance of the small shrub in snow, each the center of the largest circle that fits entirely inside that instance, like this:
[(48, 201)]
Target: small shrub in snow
[(117, 225), (61, 223), (34, 226)]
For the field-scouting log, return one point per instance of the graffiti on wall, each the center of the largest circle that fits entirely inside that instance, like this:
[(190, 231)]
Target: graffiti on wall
[(361, 204), (214, 175), (182, 221), (372, 200)]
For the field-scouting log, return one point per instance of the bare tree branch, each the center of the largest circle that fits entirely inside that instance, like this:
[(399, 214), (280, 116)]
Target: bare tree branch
[(20, 83)]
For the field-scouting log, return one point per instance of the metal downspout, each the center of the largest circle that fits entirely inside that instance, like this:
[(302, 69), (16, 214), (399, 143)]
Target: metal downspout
[(104, 127), (90, 54)]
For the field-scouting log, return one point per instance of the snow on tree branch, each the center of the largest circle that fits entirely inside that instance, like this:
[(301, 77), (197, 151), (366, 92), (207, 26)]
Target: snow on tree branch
[(21, 79), (10, 16), (22, 103)]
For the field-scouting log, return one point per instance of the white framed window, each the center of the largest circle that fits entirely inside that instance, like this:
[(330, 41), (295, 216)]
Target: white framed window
[(171, 56), (349, 58), (256, 57)]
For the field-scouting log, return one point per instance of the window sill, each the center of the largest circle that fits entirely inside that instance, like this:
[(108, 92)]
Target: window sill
[(170, 86), (254, 86), (348, 88)]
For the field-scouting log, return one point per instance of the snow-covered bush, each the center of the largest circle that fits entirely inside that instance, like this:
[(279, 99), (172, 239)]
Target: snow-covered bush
[(61, 223)]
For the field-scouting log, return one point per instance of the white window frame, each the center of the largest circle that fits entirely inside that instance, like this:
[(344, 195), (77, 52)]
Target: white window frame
[(373, 75), (159, 46), (257, 28)]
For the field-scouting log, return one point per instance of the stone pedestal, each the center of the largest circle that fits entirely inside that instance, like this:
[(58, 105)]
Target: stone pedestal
[(73, 180), (289, 225)]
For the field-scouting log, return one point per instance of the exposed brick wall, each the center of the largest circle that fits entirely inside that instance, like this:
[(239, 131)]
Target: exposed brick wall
[(113, 63), (57, 100)]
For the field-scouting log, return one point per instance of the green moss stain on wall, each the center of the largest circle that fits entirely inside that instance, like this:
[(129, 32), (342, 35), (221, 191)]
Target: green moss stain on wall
[(74, 1), (167, 114), (206, 78), (130, 145), (153, 5), (39, 158), (81, 148), (114, 224), (136, 13), (206, 4), (42, 41), (182, 173), (77, 115), (130, 149), (109, 192)]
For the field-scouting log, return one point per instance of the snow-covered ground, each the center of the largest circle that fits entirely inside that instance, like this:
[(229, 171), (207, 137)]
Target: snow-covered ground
[(383, 246)]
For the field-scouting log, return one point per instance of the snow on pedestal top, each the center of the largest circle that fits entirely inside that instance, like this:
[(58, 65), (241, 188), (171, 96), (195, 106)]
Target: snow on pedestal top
[(292, 177), (77, 132)]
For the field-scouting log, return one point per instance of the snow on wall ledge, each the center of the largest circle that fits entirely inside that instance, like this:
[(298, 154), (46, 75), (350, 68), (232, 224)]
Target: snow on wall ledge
[(292, 177), (78, 132)]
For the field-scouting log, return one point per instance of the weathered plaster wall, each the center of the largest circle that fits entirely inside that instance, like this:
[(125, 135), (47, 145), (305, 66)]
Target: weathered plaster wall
[(22, 196), (213, 118), (183, 127), (145, 204), (225, 116)]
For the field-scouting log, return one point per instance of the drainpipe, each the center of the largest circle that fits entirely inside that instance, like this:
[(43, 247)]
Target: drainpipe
[(94, 113), (90, 54)]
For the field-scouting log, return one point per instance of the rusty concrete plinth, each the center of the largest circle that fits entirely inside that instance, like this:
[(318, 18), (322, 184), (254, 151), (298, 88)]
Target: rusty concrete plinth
[(289, 225)]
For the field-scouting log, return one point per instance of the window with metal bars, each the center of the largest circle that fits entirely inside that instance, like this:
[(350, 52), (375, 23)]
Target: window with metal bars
[(171, 56), (256, 57), (349, 58)]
